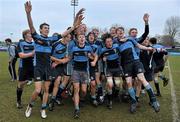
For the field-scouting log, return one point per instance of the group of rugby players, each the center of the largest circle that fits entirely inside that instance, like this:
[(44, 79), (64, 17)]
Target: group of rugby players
[(125, 63)]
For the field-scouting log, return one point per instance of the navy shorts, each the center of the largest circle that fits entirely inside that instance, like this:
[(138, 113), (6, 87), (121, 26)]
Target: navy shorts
[(26, 73), (114, 72), (133, 68), (149, 76), (159, 68), (42, 68), (57, 71), (92, 72)]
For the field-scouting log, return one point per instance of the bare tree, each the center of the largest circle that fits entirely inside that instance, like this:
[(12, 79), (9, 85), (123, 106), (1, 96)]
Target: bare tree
[(172, 27), (166, 40)]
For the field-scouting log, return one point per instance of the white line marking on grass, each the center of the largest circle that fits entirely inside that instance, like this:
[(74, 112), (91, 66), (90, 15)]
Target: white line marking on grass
[(175, 112)]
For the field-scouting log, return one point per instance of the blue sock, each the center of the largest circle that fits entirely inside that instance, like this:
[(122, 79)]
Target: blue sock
[(60, 90), (132, 95), (43, 106), (150, 93), (76, 107), (53, 97)]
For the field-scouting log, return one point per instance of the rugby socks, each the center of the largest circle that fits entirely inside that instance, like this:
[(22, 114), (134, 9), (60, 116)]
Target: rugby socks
[(100, 89), (19, 94), (93, 97), (162, 77), (76, 107), (150, 93), (137, 98), (31, 104), (60, 90), (132, 94), (43, 106), (157, 87), (110, 96)]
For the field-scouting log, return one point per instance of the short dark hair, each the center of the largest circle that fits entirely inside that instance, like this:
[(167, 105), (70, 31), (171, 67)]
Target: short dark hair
[(119, 28), (91, 33), (8, 40), (106, 36), (131, 29), (43, 24), (153, 40)]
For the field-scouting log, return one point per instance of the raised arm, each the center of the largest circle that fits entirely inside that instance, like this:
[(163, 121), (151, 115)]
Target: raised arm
[(144, 47), (78, 21), (28, 8), (146, 30)]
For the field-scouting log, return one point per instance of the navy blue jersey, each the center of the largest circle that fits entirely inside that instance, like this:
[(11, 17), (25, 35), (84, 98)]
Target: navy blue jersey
[(25, 47), (43, 44), (80, 57), (127, 51), (112, 56), (159, 54), (100, 46), (59, 50)]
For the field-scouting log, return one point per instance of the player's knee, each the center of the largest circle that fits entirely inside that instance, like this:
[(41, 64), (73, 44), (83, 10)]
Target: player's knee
[(83, 92), (117, 81), (156, 79), (109, 81), (76, 90), (38, 91), (93, 84)]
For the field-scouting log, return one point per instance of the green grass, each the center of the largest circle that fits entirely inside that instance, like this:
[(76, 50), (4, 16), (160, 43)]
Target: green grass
[(9, 112), (175, 69)]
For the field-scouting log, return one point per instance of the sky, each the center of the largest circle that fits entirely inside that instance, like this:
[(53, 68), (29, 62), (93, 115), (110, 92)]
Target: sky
[(99, 13)]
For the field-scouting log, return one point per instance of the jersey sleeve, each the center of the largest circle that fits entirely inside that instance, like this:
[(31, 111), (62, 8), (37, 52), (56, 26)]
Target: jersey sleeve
[(135, 43), (20, 48)]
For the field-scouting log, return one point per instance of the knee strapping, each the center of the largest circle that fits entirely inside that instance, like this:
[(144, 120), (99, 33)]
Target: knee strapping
[(109, 80), (118, 81)]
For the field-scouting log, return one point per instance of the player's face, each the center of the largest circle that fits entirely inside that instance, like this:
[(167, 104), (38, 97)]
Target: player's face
[(28, 36), (81, 39), (108, 43), (68, 38), (96, 32), (113, 32), (45, 30), (8, 43), (146, 42), (120, 33), (91, 38), (83, 28), (133, 33)]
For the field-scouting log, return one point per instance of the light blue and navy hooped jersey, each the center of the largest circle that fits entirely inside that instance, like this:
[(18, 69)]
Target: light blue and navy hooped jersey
[(94, 47), (59, 50), (112, 56), (43, 44), (136, 48), (127, 51), (140, 39), (80, 57), (25, 47)]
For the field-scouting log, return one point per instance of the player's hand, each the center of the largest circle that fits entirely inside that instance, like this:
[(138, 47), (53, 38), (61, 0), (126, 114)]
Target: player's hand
[(151, 49), (78, 22), (146, 17), (104, 58), (79, 17), (93, 63), (28, 7), (53, 65), (33, 52)]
